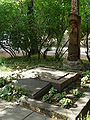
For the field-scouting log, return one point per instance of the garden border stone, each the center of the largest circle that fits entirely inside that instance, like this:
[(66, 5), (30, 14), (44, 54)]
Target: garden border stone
[(59, 112)]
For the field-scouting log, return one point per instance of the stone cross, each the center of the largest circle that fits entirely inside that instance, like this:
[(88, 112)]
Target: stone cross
[(75, 31)]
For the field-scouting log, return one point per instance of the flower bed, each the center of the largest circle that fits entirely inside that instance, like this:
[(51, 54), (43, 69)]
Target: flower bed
[(68, 97)]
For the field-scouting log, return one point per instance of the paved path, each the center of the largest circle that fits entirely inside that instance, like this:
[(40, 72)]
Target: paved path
[(11, 111)]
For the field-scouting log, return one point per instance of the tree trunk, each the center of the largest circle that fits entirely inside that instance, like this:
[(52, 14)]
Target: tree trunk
[(75, 7), (87, 38), (78, 7), (34, 46), (57, 55), (39, 54), (45, 53)]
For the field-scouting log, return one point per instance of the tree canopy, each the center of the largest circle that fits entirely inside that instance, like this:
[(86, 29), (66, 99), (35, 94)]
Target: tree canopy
[(31, 24)]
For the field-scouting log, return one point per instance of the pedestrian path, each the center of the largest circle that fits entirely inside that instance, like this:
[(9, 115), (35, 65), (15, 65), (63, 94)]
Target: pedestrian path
[(12, 111)]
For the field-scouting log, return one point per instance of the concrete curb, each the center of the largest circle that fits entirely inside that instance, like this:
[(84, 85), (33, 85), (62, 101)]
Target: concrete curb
[(58, 112)]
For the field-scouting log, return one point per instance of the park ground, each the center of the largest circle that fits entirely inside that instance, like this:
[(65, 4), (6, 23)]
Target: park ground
[(9, 111)]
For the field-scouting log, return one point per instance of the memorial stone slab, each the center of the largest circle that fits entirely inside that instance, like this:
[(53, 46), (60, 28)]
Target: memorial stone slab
[(44, 78), (35, 87)]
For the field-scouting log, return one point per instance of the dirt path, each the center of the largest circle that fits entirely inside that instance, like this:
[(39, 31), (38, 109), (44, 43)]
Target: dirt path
[(6, 55)]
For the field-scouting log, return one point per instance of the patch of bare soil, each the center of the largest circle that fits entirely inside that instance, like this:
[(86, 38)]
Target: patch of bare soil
[(6, 55)]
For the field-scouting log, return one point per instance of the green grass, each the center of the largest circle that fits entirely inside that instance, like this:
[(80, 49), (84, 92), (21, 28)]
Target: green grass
[(4, 68), (8, 64), (86, 62), (88, 117)]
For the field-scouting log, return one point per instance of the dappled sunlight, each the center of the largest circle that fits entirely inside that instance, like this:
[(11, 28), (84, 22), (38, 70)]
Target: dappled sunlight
[(45, 72), (12, 114), (70, 75), (4, 68), (38, 88), (5, 73), (43, 57)]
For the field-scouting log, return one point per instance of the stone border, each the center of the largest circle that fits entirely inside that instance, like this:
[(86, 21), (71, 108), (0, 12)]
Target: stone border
[(63, 82), (41, 92), (58, 112)]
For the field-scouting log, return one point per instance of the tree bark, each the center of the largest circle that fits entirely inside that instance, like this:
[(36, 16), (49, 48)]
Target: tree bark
[(45, 53), (75, 6), (87, 38)]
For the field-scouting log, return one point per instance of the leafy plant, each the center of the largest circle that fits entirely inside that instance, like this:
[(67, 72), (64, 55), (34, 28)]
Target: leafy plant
[(76, 92), (84, 80), (65, 102), (11, 92), (83, 84), (10, 77), (45, 98), (87, 73), (59, 96), (52, 91), (7, 79), (2, 81), (5, 90)]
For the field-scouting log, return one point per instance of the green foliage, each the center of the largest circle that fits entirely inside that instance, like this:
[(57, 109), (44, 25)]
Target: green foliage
[(5, 90), (8, 79), (83, 84), (28, 32), (27, 63), (48, 96), (84, 13), (52, 91), (65, 102), (88, 117), (84, 80), (5, 80), (59, 96), (76, 92), (87, 73), (48, 19), (52, 17), (11, 92), (2, 81), (54, 95), (45, 98)]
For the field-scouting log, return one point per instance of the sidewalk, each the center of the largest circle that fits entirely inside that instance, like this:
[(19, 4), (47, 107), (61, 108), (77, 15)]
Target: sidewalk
[(12, 111)]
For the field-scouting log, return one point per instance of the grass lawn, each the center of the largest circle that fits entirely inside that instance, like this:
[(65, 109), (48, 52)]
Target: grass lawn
[(88, 117), (11, 64)]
